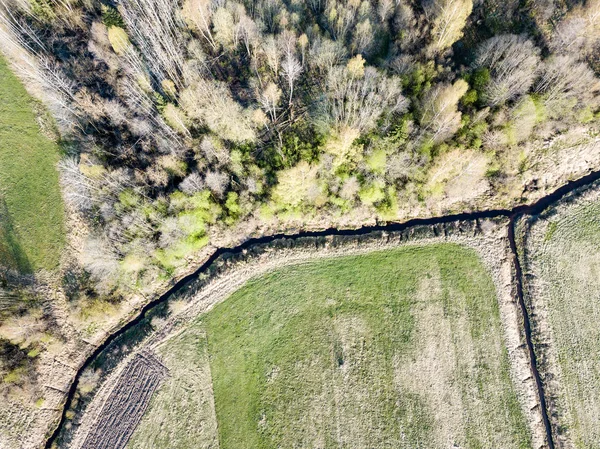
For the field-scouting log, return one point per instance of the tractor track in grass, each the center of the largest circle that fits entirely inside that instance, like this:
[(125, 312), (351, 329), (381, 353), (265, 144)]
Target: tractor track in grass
[(525, 209)]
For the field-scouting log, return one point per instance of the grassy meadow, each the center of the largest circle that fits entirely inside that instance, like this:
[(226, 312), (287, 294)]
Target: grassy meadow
[(394, 349), (31, 207), (563, 253)]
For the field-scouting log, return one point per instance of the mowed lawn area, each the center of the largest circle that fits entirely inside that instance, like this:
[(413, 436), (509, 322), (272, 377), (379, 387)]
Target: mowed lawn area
[(31, 207), (564, 257), (394, 349)]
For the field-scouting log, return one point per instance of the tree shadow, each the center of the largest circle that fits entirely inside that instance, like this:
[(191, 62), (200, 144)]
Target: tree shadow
[(11, 252)]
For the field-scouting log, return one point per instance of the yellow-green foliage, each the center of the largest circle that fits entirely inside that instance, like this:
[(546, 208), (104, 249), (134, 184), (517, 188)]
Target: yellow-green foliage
[(341, 145), (42, 9), (173, 165), (14, 376), (388, 209), (236, 158), (525, 116), (377, 161), (233, 206), (118, 39), (175, 118), (372, 193), (168, 87), (92, 171), (133, 263), (31, 206), (193, 214), (129, 199), (294, 186)]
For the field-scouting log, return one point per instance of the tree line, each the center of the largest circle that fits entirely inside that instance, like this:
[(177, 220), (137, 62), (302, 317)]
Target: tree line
[(187, 117)]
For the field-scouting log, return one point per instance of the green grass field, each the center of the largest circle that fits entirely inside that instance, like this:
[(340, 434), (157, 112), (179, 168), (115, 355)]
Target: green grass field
[(394, 349), (564, 257), (31, 207)]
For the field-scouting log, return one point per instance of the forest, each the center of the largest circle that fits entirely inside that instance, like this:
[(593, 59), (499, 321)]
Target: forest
[(180, 120)]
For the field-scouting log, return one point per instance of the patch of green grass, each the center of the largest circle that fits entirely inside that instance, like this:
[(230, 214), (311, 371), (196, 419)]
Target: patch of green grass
[(394, 349), (31, 206)]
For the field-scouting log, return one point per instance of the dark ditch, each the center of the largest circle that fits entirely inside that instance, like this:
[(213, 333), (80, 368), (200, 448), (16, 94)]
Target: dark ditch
[(527, 328), (107, 355)]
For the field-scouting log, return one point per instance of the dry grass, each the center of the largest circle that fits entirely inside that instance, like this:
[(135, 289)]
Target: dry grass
[(168, 421), (563, 255), (126, 403)]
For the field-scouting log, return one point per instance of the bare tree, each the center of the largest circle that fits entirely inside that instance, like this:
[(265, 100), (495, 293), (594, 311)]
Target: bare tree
[(513, 62), (362, 38), (355, 102), (563, 79), (156, 29), (448, 18), (272, 53), (385, 9), (102, 262), (440, 117), (405, 24), (224, 28), (291, 70), (211, 103), (343, 15), (198, 15), (324, 54), (78, 189), (350, 188), (191, 184), (217, 182), (170, 232), (248, 33), (269, 98), (579, 31)]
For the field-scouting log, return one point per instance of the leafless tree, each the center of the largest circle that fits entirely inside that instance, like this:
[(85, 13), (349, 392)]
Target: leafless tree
[(156, 29), (170, 232), (440, 117), (324, 54), (362, 38), (448, 18), (198, 14), (565, 78), (191, 184), (357, 102), (78, 189), (579, 31), (248, 33), (342, 16), (102, 262), (269, 98), (385, 9), (350, 188), (217, 182), (291, 70), (513, 62), (272, 53), (211, 103)]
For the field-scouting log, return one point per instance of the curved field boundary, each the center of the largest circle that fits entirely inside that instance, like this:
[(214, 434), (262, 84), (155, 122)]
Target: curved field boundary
[(531, 209)]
